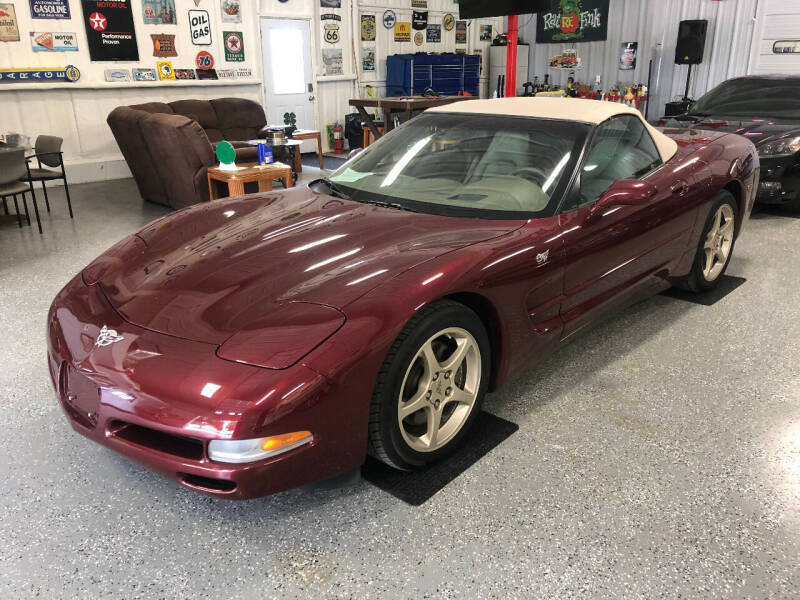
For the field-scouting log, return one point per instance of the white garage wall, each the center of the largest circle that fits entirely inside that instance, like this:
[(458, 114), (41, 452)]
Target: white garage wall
[(77, 111), (385, 45), (776, 20), (654, 24)]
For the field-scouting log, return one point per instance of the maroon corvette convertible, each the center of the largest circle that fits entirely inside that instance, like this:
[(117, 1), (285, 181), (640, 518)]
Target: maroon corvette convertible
[(249, 345)]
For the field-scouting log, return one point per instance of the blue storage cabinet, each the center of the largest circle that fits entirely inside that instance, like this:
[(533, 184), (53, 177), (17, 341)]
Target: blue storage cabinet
[(447, 74)]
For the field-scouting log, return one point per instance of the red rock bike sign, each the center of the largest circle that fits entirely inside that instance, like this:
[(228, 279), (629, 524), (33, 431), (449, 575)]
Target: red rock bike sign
[(573, 21)]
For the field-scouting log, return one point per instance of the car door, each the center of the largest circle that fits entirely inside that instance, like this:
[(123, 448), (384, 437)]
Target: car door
[(612, 254)]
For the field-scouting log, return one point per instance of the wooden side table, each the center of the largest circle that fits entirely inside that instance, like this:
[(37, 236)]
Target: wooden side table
[(246, 173), (310, 134)]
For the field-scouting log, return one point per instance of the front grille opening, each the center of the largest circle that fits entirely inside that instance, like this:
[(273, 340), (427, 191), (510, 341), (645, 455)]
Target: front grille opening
[(177, 445), (207, 483)]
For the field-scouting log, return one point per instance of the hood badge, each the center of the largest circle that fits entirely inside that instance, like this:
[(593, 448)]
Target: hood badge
[(541, 258), (106, 337)]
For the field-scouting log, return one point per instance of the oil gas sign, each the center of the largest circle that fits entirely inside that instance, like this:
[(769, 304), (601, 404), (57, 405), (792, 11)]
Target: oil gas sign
[(200, 27)]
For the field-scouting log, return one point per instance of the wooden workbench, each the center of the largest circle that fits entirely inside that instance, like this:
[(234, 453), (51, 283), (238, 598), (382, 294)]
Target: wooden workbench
[(404, 105)]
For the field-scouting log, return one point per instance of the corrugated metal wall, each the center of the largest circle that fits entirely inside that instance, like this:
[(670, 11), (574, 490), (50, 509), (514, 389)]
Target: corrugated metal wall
[(654, 24)]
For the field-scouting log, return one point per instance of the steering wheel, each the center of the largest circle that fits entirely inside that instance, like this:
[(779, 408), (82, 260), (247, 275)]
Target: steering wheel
[(532, 174)]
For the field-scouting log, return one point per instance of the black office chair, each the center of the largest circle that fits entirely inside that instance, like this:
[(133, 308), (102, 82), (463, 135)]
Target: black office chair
[(48, 153), (14, 181)]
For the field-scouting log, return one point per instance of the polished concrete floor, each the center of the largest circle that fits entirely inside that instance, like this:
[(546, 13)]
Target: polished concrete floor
[(657, 456)]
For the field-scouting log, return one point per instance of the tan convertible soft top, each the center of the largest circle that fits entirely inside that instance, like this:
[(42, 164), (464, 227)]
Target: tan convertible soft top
[(569, 109)]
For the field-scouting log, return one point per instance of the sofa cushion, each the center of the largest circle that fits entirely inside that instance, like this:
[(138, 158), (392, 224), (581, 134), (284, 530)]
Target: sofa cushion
[(238, 118), (153, 107), (202, 112), (125, 125), (183, 152)]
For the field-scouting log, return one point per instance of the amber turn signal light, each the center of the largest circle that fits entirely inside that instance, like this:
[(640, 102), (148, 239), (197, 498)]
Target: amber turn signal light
[(244, 451), (278, 442)]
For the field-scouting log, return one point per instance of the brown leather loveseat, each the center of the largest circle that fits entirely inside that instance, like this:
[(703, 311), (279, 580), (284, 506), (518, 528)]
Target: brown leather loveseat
[(169, 146)]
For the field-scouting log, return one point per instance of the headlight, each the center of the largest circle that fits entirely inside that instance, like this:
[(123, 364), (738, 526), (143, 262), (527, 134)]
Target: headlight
[(244, 451), (782, 147)]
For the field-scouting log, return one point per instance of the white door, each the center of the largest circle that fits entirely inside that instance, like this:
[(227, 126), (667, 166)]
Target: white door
[(286, 52)]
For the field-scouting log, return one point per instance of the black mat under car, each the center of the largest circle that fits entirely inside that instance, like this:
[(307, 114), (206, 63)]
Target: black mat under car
[(416, 487)]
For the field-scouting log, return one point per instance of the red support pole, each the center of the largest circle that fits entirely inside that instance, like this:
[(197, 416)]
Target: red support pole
[(511, 57)]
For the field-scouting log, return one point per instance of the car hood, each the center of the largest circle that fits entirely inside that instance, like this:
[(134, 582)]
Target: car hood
[(758, 131), (208, 271)]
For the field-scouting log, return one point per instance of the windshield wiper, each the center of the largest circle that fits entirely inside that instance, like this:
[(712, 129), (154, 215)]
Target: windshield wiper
[(394, 205), (334, 188)]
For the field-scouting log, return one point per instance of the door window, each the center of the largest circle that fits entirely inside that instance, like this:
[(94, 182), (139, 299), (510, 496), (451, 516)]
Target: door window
[(620, 149)]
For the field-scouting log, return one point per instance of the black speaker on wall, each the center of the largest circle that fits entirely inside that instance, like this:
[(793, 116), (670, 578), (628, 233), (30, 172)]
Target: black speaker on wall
[(691, 42)]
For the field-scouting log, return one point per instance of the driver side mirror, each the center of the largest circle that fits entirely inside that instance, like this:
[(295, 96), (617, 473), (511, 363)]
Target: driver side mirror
[(624, 192)]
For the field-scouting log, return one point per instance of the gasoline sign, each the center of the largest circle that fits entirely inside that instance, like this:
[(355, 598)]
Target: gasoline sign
[(200, 27)]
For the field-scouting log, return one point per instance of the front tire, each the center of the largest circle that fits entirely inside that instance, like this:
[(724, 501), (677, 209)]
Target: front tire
[(430, 387), (716, 245)]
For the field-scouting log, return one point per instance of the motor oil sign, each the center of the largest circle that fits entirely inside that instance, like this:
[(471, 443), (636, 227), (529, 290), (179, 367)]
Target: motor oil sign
[(234, 46), (200, 27)]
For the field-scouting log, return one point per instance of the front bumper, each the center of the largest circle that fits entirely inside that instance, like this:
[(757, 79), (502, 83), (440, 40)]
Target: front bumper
[(780, 180), (159, 400)]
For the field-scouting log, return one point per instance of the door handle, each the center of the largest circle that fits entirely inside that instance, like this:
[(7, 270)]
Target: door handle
[(679, 188), (311, 98)]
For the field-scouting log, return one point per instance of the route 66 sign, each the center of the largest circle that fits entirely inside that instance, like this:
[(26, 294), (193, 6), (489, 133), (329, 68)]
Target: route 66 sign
[(331, 32)]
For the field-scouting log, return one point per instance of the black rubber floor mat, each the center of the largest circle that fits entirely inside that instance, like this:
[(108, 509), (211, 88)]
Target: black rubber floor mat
[(416, 487), (726, 285)]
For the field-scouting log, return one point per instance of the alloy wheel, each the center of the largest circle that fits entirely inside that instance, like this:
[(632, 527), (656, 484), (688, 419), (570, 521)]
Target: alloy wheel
[(439, 389), (719, 242)]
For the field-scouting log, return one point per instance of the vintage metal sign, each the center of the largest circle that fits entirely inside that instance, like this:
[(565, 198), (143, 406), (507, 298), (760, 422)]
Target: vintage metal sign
[(50, 9), (54, 41), (145, 74), (185, 74), (402, 31), (199, 27), (331, 33), (573, 21), (114, 75), (163, 45), (433, 33), (69, 73), (159, 12), (389, 19), (204, 60), (207, 74), (367, 28), (419, 20), (231, 11), (165, 70), (461, 32), (234, 46), (109, 30), (9, 31), (226, 73), (449, 22)]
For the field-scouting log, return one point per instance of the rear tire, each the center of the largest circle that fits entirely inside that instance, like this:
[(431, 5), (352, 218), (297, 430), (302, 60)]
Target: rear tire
[(716, 245), (430, 387)]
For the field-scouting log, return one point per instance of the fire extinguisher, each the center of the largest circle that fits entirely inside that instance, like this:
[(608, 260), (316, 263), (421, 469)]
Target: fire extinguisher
[(338, 139)]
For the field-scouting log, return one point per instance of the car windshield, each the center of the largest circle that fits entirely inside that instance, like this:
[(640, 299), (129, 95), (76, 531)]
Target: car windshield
[(474, 165), (766, 98)]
